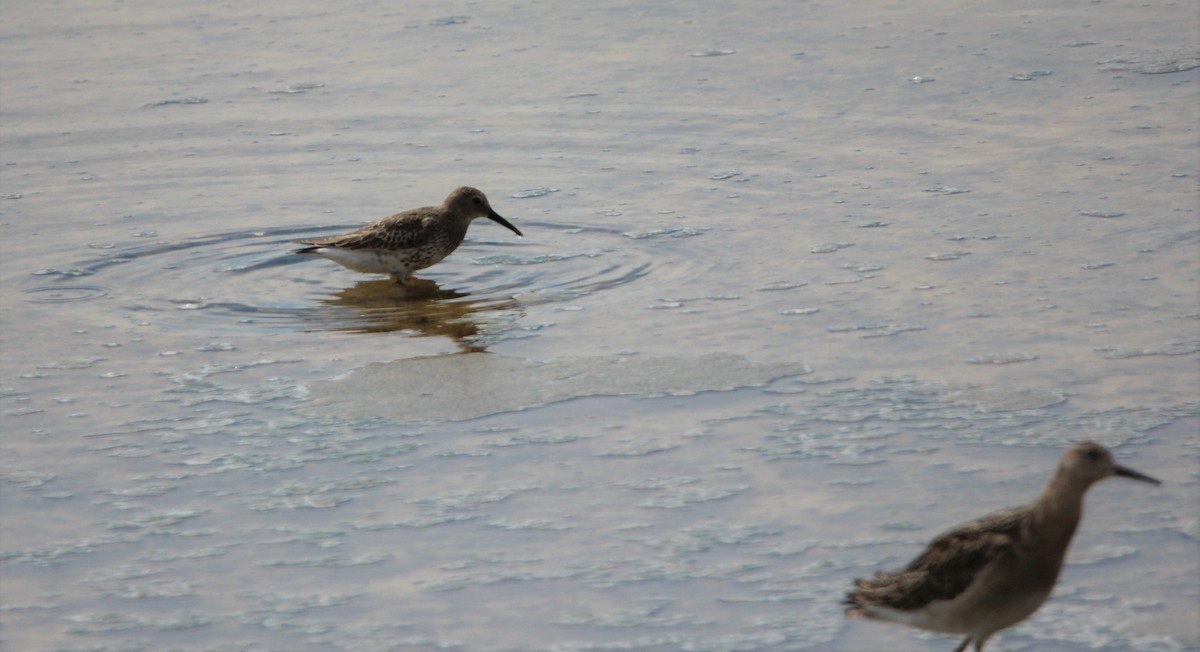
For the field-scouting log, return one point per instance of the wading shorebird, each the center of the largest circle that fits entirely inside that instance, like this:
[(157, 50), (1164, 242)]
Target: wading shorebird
[(405, 242), (994, 572)]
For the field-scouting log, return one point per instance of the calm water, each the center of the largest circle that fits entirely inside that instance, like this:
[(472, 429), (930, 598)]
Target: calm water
[(802, 286)]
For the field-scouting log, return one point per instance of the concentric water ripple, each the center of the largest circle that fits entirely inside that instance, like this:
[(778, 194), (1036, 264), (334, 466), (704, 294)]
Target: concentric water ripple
[(65, 294), (251, 278)]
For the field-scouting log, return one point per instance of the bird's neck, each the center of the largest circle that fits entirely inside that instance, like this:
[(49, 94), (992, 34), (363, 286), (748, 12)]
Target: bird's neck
[(1056, 513), (458, 228)]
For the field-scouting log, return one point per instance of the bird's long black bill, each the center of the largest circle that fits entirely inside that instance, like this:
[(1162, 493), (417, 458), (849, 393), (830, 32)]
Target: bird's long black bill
[(1126, 472), (495, 217)]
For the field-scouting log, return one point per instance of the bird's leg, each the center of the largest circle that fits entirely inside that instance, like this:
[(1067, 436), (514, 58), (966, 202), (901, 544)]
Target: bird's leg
[(963, 646)]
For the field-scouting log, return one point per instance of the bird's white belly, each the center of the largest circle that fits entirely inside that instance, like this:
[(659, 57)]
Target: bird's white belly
[(979, 611), (374, 261)]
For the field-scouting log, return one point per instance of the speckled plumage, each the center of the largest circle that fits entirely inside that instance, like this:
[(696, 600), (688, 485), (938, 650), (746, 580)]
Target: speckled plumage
[(994, 572), (406, 242)]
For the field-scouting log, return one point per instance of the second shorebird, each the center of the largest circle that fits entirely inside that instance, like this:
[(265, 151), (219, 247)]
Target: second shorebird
[(994, 572), (406, 242)]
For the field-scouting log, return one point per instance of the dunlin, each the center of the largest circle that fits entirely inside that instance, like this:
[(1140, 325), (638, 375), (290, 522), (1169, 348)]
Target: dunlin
[(405, 242), (994, 572)]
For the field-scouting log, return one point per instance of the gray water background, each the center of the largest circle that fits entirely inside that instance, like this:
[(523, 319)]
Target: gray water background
[(803, 285)]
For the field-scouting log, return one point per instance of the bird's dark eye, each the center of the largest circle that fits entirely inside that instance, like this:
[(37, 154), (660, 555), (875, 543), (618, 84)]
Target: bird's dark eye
[(477, 201), (1093, 455)]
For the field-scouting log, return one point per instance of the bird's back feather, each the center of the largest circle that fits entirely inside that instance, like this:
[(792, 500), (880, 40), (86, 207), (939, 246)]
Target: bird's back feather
[(946, 568)]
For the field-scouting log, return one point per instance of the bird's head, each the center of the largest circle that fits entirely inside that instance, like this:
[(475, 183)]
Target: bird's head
[(1089, 462), (472, 203)]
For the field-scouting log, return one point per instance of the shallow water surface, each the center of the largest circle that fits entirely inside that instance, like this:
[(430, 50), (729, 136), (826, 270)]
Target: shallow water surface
[(802, 286)]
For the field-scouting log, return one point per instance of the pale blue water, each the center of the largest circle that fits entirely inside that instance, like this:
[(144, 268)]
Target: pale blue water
[(783, 313)]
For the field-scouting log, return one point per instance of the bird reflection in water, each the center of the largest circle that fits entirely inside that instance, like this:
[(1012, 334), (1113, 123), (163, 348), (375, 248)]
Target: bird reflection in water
[(422, 308)]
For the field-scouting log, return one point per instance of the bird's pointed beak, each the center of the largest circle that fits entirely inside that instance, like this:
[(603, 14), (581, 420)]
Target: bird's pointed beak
[(1126, 472), (495, 217)]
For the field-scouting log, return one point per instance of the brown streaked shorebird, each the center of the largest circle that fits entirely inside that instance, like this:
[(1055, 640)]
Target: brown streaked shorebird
[(994, 572), (405, 242)]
